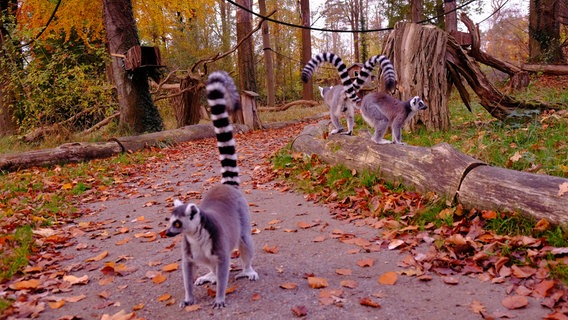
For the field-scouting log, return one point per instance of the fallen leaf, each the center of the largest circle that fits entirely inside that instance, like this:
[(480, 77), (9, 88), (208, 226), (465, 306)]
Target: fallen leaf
[(159, 278), (256, 297), (121, 315), (138, 307), (450, 280), (319, 239), (351, 284), (192, 308), (76, 280), (388, 278), (98, 257), (164, 297), (317, 283), (542, 225), (515, 302), (523, 272), (75, 298), (366, 262), (344, 272), (395, 244), (56, 304), (289, 285), (477, 307), (368, 302), (300, 311), (305, 225), (170, 267), (25, 284), (104, 294), (543, 288), (270, 249)]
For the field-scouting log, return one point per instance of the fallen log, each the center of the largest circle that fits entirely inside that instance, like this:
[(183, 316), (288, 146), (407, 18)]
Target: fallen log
[(443, 170), (82, 151)]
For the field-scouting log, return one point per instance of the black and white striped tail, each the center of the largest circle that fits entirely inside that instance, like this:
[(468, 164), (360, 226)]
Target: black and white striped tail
[(332, 58), (222, 97), (389, 76)]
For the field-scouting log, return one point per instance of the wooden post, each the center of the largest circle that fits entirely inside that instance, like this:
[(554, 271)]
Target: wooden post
[(250, 115)]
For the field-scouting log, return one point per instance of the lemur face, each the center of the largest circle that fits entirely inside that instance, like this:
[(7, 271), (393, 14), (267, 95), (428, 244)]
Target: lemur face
[(417, 104), (183, 219)]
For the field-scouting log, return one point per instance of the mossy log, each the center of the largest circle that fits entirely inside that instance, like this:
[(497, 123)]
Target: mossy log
[(443, 170)]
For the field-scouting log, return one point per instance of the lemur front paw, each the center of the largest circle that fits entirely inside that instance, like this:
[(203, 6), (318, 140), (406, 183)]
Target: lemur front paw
[(218, 304), (335, 131), (348, 133), (184, 304), (250, 274), (208, 278)]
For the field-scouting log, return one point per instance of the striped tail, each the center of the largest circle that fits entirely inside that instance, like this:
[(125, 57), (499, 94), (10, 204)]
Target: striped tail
[(332, 58), (389, 76), (222, 97)]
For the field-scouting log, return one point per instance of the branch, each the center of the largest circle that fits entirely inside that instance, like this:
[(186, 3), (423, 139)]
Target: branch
[(222, 55)]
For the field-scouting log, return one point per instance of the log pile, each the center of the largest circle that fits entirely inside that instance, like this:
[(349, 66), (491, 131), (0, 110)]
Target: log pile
[(444, 170)]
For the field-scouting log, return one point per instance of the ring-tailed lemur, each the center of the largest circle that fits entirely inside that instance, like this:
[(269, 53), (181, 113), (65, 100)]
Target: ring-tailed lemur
[(336, 97), (221, 222), (380, 110)]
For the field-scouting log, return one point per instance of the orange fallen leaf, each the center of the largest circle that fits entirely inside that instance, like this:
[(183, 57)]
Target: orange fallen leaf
[(270, 249), (522, 272), (123, 241), (368, 302), (170, 267), (317, 282), (395, 244), (104, 294), (159, 278), (56, 304), (106, 280), (98, 257), (543, 288), (25, 284), (305, 225), (192, 308), (388, 278), (75, 298), (256, 297), (164, 297), (515, 302), (366, 262), (289, 285), (138, 307)]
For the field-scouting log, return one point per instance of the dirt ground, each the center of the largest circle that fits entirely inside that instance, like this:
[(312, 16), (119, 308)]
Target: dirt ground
[(131, 268)]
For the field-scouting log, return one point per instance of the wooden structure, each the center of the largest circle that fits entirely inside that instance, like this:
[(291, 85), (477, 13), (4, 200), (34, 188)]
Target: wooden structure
[(142, 57), (249, 110), (442, 169)]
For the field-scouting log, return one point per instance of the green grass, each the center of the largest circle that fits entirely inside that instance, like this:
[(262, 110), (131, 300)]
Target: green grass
[(15, 256)]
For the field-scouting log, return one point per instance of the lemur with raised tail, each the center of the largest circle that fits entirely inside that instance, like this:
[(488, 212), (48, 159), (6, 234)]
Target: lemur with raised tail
[(379, 109), (221, 222)]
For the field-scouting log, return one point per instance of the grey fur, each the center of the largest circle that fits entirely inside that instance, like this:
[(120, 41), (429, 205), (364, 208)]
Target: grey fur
[(212, 230), (339, 105), (381, 110)]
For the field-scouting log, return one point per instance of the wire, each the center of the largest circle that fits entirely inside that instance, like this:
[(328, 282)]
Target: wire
[(338, 30), (494, 12)]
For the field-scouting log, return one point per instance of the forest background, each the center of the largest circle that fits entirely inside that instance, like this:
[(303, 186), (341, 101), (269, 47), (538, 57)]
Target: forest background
[(55, 64)]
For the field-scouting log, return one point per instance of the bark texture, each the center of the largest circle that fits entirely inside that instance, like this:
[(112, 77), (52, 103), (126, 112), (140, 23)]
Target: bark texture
[(443, 170), (418, 54)]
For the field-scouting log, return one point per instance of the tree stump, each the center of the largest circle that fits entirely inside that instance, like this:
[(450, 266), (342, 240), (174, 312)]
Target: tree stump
[(418, 54), (187, 106)]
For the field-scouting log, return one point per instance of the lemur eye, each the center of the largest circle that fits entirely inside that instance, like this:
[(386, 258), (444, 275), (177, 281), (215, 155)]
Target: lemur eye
[(177, 224)]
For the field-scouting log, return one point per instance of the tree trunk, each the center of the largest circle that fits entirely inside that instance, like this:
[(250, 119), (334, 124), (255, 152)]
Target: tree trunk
[(7, 122), (451, 17), (187, 106), (307, 89), (137, 111), (418, 54), (415, 10), (544, 32), (445, 171), (245, 55), (267, 56)]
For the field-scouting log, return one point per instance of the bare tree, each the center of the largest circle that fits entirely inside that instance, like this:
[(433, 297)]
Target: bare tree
[(138, 113), (245, 57)]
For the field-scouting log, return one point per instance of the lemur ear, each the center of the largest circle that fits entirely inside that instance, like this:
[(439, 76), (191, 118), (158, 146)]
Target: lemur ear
[(177, 203), (191, 210)]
